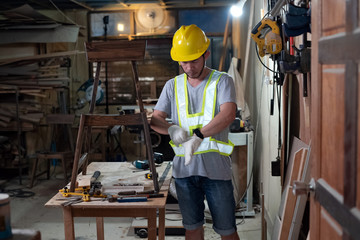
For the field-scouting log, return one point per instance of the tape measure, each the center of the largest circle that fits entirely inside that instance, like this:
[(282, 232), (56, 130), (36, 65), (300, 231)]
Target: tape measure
[(148, 175)]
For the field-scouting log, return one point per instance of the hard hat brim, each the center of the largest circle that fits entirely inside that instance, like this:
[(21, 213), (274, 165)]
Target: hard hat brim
[(187, 58)]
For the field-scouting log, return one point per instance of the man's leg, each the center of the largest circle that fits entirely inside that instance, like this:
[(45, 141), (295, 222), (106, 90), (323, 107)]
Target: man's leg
[(197, 234), (191, 203), (220, 198), (233, 236)]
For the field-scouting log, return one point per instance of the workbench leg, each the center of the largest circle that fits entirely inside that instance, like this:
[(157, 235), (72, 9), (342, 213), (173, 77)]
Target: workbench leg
[(161, 224), (68, 224), (100, 228), (152, 224)]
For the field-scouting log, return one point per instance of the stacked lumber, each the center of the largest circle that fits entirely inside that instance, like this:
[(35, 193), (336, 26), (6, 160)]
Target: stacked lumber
[(30, 78), (29, 116), (37, 72)]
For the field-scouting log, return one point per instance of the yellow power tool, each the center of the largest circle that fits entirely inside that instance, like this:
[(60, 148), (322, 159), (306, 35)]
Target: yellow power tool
[(266, 34)]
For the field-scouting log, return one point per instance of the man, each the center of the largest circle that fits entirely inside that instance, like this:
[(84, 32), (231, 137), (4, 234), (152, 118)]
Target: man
[(201, 106)]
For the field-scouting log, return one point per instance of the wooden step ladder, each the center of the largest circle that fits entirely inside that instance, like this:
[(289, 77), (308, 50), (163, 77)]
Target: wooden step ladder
[(119, 50)]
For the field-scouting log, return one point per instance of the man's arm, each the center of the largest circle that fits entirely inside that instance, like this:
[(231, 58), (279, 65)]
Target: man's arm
[(222, 120), (158, 122)]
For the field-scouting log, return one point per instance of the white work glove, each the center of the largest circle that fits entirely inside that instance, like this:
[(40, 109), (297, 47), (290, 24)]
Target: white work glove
[(190, 147), (177, 134)]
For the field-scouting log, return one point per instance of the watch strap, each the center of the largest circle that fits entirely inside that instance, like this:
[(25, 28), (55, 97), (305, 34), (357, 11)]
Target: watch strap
[(198, 133)]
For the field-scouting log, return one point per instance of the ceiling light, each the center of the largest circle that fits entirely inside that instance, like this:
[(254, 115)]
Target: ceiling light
[(237, 9), (120, 27)]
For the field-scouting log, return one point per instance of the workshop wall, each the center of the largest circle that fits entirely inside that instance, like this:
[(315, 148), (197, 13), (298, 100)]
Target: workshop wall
[(79, 70), (258, 91), (292, 109)]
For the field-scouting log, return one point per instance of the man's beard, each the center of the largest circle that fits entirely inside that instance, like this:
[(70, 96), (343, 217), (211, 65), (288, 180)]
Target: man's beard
[(193, 76)]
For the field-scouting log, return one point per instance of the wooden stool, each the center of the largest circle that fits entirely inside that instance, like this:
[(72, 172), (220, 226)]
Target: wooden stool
[(65, 156)]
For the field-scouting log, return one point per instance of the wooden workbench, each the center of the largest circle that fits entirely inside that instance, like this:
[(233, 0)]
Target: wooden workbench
[(112, 173)]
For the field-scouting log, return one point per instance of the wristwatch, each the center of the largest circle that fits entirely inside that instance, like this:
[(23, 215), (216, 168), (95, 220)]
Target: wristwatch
[(198, 133)]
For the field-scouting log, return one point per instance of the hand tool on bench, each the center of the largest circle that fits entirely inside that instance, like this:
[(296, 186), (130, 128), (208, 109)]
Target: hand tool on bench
[(70, 200), (165, 173), (150, 195), (95, 186), (132, 199)]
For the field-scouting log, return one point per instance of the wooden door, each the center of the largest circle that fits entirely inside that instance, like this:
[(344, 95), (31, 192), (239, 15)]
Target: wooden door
[(335, 164)]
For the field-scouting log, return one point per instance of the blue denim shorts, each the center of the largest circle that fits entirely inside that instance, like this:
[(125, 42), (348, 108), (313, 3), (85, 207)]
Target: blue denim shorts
[(191, 193)]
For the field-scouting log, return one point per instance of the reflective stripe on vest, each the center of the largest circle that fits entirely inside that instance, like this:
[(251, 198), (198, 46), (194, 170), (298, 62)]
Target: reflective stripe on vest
[(189, 122)]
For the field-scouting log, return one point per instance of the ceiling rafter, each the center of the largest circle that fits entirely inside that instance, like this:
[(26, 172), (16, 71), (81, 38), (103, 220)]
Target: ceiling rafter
[(123, 3), (82, 5), (111, 5)]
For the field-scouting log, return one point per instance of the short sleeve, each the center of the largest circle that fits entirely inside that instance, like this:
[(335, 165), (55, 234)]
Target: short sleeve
[(167, 94), (226, 90)]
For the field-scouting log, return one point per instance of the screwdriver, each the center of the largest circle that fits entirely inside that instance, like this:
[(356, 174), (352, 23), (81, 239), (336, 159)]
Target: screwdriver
[(132, 199)]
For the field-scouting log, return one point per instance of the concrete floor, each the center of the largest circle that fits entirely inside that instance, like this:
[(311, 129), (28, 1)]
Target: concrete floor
[(30, 213)]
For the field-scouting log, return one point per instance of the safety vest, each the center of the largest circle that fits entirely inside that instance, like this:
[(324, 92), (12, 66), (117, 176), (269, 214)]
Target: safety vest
[(193, 121)]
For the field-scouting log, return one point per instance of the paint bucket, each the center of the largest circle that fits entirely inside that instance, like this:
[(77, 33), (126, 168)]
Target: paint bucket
[(5, 224)]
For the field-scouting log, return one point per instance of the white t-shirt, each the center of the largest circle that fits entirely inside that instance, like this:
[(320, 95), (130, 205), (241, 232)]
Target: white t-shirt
[(212, 164)]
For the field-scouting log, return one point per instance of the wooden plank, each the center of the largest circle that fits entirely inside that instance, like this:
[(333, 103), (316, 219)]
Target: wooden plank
[(23, 117), (79, 145), (296, 173), (60, 118), (113, 120), (316, 101), (225, 40), (100, 228), (122, 50), (248, 47), (351, 131), (3, 124), (301, 201), (40, 57), (339, 48), (333, 202), (297, 158), (5, 118)]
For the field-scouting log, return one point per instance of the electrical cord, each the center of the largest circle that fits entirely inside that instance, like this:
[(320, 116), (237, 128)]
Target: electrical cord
[(18, 193), (257, 54)]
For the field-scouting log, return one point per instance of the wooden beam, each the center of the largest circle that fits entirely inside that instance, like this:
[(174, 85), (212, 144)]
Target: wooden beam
[(82, 5), (248, 46), (162, 3), (333, 203), (121, 50), (113, 120), (40, 57), (123, 3), (224, 46), (351, 131), (339, 48)]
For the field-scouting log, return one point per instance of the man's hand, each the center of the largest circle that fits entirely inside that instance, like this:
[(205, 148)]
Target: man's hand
[(177, 134), (190, 147)]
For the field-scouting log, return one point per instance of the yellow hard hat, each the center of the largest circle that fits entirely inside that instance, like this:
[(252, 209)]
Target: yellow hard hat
[(189, 43)]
